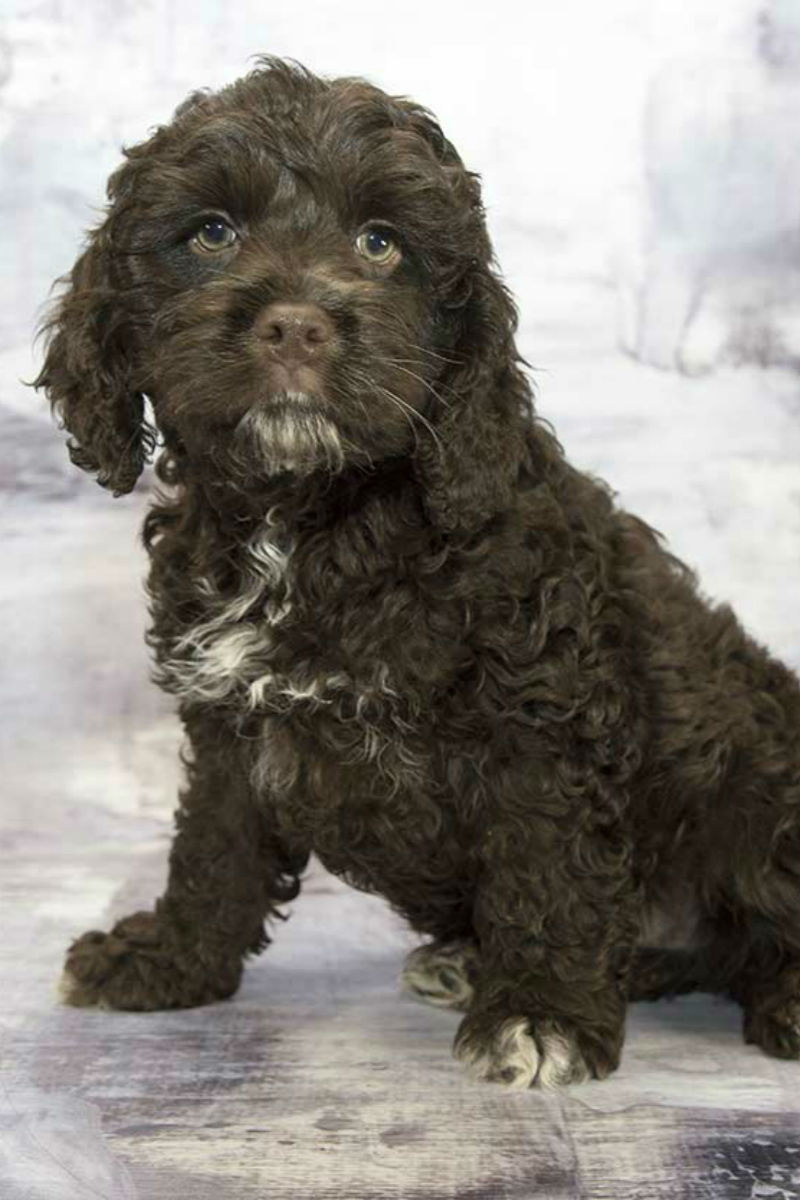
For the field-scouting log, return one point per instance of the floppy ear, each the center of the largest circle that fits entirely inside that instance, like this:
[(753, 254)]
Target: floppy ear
[(481, 417), (88, 372), (481, 413)]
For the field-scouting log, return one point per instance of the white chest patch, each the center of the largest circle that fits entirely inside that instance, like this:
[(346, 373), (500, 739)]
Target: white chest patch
[(230, 652)]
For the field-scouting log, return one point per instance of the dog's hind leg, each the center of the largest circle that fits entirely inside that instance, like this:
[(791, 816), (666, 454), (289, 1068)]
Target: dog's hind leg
[(767, 985), (757, 953), (657, 972), (772, 1012)]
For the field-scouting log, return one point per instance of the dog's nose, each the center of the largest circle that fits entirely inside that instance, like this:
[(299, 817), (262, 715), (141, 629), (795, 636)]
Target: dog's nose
[(293, 333)]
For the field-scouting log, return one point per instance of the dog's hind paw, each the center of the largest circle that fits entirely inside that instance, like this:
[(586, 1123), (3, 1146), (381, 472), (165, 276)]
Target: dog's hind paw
[(777, 1032), (442, 974)]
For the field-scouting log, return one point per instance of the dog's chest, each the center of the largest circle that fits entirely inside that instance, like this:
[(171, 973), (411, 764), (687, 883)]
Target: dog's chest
[(227, 653), (358, 794), (304, 623), (252, 647), (323, 657), (346, 750)]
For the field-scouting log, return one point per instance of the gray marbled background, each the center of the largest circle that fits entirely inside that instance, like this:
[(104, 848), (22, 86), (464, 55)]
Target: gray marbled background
[(319, 1079)]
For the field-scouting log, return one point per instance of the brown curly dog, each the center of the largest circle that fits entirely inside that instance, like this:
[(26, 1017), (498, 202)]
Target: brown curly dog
[(403, 632)]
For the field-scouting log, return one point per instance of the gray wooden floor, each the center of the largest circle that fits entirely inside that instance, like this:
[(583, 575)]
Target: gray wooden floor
[(319, 1079)]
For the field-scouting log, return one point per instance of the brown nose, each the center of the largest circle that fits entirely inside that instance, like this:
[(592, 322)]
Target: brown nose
[(293, 333)]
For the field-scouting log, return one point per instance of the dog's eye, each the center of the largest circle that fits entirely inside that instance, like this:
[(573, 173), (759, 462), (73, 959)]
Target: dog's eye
[(214, 234), (378, 245)]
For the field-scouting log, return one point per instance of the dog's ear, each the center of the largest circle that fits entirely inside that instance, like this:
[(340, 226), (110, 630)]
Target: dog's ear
[(481, 414), (481, 410), (88, 371)]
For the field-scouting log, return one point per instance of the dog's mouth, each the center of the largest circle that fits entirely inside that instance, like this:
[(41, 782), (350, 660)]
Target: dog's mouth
[(292, 400), (281, 381)]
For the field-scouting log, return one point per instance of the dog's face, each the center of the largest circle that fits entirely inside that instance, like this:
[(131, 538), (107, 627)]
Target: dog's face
[(295, 271), (294, 242)]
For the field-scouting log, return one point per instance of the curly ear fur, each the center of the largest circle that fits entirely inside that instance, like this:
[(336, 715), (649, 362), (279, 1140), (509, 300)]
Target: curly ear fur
[(88, 372), (481, 414), (482, 408)]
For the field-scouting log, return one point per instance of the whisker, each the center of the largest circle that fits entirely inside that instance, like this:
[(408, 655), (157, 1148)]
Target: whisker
[(454, 362), (394, 362), (410, 412), (401, 332), (367, 381), (398, 331)]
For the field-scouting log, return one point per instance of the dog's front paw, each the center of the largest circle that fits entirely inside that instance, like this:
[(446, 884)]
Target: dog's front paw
[(141, 966), (519, 1053)]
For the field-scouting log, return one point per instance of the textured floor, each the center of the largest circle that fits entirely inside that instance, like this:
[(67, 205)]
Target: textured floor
[(320, 1079)]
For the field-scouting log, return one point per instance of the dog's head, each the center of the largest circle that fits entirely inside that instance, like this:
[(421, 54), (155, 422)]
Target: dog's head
[(296, 272)]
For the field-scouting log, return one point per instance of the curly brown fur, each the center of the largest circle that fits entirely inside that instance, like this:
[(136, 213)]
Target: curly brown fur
[(403, 632)]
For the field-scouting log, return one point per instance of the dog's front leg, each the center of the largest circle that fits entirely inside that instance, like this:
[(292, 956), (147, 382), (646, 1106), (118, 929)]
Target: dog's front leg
[(555, 923), (228, 871)]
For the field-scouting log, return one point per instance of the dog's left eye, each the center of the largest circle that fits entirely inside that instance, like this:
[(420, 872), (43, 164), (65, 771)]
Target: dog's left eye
[(214, 234), (378, 245)]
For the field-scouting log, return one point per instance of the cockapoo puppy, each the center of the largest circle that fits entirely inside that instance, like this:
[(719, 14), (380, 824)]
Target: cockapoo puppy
[(403, 632)]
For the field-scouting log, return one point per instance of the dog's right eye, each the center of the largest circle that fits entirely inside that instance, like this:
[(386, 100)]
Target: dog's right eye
[(213, 235)]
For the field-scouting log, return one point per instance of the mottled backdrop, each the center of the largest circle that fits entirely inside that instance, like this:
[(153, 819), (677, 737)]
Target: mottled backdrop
[(319, 1079)]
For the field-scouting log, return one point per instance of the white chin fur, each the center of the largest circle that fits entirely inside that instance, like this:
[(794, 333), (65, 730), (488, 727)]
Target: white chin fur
[(291, 433)]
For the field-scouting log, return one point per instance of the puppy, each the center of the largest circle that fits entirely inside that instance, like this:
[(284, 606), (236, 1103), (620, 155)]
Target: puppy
[(403, 633)]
